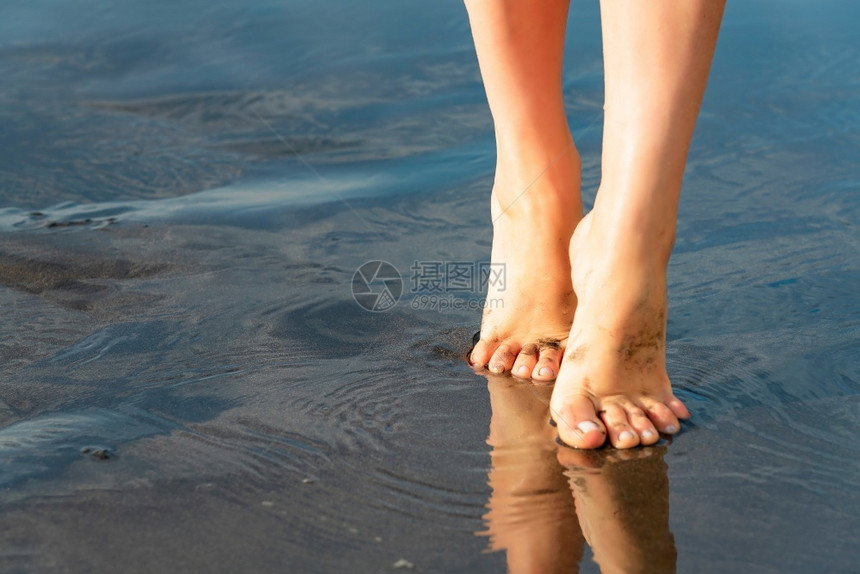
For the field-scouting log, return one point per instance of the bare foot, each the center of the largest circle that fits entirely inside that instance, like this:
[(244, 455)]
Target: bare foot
[(613, 378), (528, 315)]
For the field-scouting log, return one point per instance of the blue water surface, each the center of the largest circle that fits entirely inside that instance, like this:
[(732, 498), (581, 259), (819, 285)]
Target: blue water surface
[(187, 190)]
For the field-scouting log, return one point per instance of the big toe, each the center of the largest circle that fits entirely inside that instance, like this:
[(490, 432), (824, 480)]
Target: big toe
[(578, 423)]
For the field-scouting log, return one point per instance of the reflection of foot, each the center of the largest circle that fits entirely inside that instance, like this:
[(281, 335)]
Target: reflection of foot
[(613, 378), (530, 513), (622, 501), (577, 460), (527, 316)]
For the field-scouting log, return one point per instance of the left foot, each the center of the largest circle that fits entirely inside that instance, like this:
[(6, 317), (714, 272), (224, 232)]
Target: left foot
[(613, 382), (535, 207)]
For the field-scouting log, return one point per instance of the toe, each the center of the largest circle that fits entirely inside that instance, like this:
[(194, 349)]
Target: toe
[(678, 408), (662, 416), (546, 368), (621, 433), (578, 423), (481, 353), (525, 363), (503, 359), (642, 425)]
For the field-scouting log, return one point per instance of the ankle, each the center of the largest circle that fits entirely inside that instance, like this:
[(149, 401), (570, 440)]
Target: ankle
[(538, 185), (633, 237)]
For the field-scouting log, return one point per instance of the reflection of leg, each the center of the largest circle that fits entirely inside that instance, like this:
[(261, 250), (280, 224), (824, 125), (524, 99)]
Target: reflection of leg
[(535, 200), (657, 55), (623, 509), (531, 514)]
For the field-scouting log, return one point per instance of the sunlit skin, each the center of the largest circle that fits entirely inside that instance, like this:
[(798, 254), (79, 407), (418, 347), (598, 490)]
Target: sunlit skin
[(535, 203), (547, 500), (585, 298)]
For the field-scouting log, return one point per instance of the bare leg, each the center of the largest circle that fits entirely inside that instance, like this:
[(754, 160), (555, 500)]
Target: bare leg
[(535, 202), (613, 379)]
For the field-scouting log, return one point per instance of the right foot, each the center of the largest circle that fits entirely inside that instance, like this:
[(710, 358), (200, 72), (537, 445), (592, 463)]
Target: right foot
[(613, 381), (528, 316)]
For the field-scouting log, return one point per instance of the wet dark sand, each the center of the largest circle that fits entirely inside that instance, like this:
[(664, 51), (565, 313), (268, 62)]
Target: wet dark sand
[(189, 385), (260, 418)]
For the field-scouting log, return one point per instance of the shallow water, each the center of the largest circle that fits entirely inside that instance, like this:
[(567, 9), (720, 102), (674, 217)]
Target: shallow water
[(186, 193)]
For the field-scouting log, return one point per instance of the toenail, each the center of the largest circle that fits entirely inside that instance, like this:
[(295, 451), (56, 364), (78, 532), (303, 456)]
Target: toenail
[(587, 426), (523, 370), (545, 372), (647, 434), (670, 429), (496, 369), (625, 435)]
